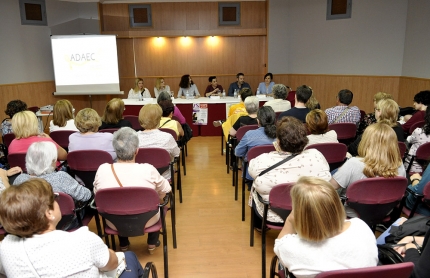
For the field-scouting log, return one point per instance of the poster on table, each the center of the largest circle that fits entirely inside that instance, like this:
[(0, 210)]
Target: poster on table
[(200, 113)]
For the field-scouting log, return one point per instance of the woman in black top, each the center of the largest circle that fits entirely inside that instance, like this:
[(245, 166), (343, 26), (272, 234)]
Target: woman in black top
[(251, 106), (112, 117)]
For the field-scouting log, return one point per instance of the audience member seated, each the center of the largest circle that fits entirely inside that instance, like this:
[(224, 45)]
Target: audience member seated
[(160, 86), (279, 103), (266, 87), (40, 163), (378, 156), (126, 172), (387, 111), (238, 85), (26, 130), (317, 123), (34, 248), (176, 113), (4, 177), (139, 91), (369, 119), (299, 111), (251, 106), (213, 88), (12, 108), (421, 101), (418, 137), (166, 120), (240, 107), (317, 238), (63, 117), (151, 136), (417, 185), (187, 86), (312, 102), (290, 144), (416, 251), (113, 115), (265, 134), (342, 112), (87, 121)]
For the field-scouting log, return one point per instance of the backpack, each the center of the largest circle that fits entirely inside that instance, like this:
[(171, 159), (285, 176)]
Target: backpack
[(416, 226)]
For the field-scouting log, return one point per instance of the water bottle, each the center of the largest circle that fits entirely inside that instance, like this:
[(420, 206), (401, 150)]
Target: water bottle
[(235, 93), (223, 94), (258, 91), (187, 95)]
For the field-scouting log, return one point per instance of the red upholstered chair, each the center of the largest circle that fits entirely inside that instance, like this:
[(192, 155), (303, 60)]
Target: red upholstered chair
[(421, 156), (419, 198), (252, 153), (8, 138), (109, 130), (291, 98), (415, 125), (235, 161), (402, 149), (134, 120), (362, 115), (374, 198), (182, 157), (402, 270), (33, 109), (17, 159), (345, 132), (129, 209), (280, 203), (85, 164), (334, 153), (61, 137)]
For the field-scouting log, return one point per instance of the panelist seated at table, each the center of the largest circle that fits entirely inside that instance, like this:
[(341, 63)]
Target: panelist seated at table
[(265, 88), (139, 91), (187, 86), (160, 86), (214, 88), (239, 84)]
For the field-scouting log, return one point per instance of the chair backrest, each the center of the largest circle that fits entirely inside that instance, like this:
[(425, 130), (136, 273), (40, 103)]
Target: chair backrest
[(374, 198), (334, 153), (8, 138), (17, 159), (157, 157), (415, 125), (109, 130), (402, 270), (280, 200), (33, 109), (170, 131), (84, 164), (402, 149), (243, 129), (344, 130), (426, 194), (134, 120), (61, 137), (423, 152), (257, 150), (67, 207), (128, 208), (362, 114), (291, 98)]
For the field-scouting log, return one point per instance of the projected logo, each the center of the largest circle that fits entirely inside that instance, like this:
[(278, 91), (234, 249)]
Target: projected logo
[(80, 59)]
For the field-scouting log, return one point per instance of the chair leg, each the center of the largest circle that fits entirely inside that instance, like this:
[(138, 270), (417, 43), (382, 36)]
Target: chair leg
[(173, 218), (183, 161), (165, 254), (263, 246), (222, 142), (179, 184), (186, 148), (251, 238), (243, 190), (112, 237), (227, 156), (236, 179)]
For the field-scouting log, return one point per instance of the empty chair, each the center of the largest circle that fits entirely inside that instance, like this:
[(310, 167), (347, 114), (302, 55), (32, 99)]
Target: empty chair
[(134, 120), (402, 149), (8, 138), (334, 153), (402, 270), (345, 131)]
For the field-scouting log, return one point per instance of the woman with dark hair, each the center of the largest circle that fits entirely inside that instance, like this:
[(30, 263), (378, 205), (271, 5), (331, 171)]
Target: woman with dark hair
[(290, 143), (113, 115), (33, 247), (418, 137), (265, 88), (176, 113), (265, 133), (421, 101), (186, 86), (12, 108), (317, 122), (166, 120)]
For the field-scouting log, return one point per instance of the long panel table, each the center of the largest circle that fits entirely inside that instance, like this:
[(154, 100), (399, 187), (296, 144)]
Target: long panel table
[(216, 111)]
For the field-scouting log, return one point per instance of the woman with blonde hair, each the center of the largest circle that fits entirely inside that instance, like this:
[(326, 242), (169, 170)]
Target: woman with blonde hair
[(386, 111), (160, 86), (26, 130), (378, 156), (312, 102), (63, 117), (113, 115), (317, 123), (316, 236), (370, 118), (139, 91)]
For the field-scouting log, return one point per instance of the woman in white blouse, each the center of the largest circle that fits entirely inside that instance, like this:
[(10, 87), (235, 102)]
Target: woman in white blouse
[(187, 86), (160, 86), (317, 122), (63, 117), (139, 91)]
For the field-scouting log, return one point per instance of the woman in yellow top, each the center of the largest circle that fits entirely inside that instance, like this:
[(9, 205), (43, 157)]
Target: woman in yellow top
[(166, 119)]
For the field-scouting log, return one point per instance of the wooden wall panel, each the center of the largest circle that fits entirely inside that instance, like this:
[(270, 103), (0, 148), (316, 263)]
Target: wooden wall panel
[(409, 86), (125, 57)]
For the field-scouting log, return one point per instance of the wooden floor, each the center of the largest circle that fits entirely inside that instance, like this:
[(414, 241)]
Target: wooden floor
[(212, 239)]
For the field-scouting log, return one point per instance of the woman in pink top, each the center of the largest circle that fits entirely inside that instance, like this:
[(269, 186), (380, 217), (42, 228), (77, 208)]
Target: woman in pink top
[(130, 173), (26, 130)]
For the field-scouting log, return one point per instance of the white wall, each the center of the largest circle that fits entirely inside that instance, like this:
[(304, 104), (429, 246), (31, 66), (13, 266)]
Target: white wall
[(371, 42), (25, 51), (277, 34), (417, 43)]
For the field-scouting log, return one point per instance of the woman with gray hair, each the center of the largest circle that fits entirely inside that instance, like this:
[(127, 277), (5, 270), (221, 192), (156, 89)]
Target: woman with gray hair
[(40, 162), (280, 102), (129, 173), (251, 106), (176, 112)]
